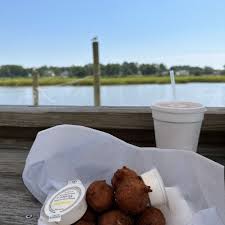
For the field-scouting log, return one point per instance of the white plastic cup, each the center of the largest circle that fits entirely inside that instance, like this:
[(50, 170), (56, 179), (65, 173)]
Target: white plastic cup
[(177, 124), (158, 195)]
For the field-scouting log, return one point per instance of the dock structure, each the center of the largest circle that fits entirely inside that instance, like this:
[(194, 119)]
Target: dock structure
[(35, 80), (19, 126), (96, 72)]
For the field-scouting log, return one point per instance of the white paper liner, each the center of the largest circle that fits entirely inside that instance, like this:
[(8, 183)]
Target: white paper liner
[(68, 152)]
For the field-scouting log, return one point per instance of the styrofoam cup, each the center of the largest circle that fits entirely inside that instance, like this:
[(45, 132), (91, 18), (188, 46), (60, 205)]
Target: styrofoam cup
[(158, 195), (177, 124)]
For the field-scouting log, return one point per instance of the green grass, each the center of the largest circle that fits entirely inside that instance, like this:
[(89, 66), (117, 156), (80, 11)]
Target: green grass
[(109, 81)]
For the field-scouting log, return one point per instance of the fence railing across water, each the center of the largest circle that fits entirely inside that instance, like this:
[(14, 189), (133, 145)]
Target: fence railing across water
[(96, 82)]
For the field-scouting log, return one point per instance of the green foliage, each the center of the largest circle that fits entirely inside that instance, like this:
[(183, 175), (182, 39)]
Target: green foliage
[(43, 70), (148, 69), (208, 70), (195, 70), (162, 68), (22, 81), (88, 69), (13, 71), (77, 71), (109, 70), (129, 68)]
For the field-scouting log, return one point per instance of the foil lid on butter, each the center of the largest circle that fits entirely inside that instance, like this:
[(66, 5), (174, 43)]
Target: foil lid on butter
[(67, 205)]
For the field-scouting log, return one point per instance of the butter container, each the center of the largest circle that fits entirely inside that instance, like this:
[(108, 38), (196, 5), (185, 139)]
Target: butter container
[(158, 195), (67, 205)]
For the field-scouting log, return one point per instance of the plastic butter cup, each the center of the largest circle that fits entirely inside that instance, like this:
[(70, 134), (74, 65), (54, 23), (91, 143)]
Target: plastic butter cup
[(43, 220), (67, 205), (158, 195)]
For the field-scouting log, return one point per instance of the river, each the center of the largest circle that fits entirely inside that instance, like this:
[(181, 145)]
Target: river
[(209, 94)]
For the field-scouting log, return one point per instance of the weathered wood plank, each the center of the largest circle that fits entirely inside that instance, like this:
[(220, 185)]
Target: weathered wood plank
[(15, 143), (12, 162), (96, 117), (19, 132), (16, 202)]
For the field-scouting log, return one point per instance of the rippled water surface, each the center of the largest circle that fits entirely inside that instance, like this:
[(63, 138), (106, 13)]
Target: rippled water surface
[(209, 94)]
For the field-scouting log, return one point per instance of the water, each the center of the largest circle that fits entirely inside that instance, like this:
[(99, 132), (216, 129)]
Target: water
[(209, 94)]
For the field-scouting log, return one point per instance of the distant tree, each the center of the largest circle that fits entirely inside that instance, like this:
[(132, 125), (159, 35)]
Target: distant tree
[(43, 70), (111, 70), (162, 68), (77, 71), (102, 69), (13, 71), (29, 71), (88, 69), (208, 70), (56, 70), (129, 68), (178, 68), (148, 69), (223, 71), (192, 70), (196, 71)]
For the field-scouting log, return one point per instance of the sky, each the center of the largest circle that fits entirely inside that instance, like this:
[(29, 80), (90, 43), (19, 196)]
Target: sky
[(59, 32)]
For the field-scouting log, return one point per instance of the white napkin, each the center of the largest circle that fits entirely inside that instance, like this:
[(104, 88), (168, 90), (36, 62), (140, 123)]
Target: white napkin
[(69, 152)]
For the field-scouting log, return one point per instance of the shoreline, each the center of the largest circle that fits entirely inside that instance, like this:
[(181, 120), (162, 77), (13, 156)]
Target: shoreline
[(125, 80)]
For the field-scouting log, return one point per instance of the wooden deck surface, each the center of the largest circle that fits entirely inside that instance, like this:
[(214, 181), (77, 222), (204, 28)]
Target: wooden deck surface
[(16, 202), (18, 128)]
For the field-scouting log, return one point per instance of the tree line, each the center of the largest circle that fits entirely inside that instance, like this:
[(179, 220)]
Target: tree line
[(110, 70)]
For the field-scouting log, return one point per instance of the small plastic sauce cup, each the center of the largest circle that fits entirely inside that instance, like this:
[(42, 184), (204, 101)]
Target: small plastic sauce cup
[(158, 195), (67, 205)]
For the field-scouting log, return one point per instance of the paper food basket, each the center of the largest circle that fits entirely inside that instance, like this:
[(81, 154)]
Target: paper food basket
[(68, 152)]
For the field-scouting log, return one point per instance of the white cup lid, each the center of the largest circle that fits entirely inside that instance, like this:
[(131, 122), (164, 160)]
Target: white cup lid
[(178, 107)]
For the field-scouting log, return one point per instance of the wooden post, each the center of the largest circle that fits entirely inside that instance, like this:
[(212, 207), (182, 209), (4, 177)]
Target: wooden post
[(35, 76), (96, 70)]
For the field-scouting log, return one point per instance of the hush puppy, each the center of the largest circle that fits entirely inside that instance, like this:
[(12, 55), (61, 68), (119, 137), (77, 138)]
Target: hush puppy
[(83, 222), (99, 196), (89, 216), (122, 174), (115, 217), (151, 216), (131, 196)]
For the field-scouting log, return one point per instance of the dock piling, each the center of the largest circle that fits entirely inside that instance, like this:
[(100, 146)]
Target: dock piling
[(35, 77), (97, 73)]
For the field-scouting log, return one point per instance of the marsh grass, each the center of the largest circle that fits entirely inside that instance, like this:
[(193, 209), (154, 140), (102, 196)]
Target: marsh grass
[(46, 81)]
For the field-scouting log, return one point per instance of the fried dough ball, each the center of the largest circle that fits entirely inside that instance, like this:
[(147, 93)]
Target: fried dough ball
[(151, 216), (83, 222), (89, 216), (121, 174), (132, 196), (115, 217), (99, 196)]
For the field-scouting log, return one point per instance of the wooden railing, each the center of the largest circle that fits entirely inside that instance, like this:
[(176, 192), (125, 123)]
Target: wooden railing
[(132, 124)]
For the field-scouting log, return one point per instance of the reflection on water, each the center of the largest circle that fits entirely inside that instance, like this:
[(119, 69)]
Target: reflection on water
[(209, 94)]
